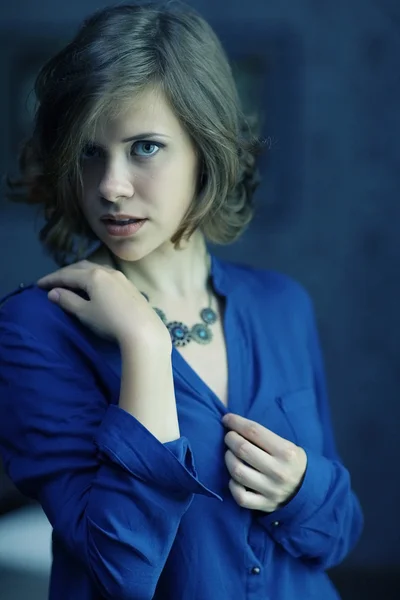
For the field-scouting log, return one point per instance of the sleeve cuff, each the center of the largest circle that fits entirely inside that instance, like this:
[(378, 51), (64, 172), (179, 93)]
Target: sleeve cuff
[(126, 442), (307, 501)]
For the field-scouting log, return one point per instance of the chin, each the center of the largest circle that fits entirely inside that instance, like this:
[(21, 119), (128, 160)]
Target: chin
[(131, 251), (126, 253), (135, 248)]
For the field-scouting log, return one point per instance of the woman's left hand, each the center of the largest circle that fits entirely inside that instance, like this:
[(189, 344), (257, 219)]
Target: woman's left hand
[(266, 469)]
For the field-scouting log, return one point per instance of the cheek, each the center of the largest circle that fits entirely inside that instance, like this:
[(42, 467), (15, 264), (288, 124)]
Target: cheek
[(91, 178), (158, 185), (177, 181), (90, 186), (87, 203)]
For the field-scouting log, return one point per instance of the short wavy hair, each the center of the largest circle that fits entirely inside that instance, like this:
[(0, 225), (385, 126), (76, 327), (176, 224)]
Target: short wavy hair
[(118, 52)]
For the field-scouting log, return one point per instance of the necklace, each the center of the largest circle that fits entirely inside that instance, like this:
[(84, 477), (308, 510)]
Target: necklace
[(180, 333)]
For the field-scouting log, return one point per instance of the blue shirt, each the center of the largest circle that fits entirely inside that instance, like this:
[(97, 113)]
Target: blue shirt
[(136, 519)]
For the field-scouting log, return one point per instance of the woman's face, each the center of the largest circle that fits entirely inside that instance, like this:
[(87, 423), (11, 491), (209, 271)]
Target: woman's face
[(141, 164)]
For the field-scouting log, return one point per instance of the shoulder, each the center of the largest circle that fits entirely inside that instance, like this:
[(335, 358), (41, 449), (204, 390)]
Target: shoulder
[(271, 301), (28, 307), (266, 288), (27, 314)]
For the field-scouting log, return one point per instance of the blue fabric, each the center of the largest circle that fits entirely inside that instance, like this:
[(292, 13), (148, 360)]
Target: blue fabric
[(137, 519)]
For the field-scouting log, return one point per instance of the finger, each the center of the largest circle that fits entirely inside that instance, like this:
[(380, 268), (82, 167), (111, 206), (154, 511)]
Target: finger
[(248, 499), (246, 475), (270, 466), (72, 277), (249, 453), (68, 301), (82, 264), (260, 436)]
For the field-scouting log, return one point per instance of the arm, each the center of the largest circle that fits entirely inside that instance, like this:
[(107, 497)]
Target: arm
[(112, 491), (147, 389), (323, 521)]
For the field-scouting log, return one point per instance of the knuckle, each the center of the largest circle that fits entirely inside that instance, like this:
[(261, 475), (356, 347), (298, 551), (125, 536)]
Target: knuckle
[(237, 472), (241, 499), (280, 475), (229, 437), (98, 274), (253, 431), (244, 449), (289, 452), (274, 496), (117, 275), (81, 264), (239, 495)]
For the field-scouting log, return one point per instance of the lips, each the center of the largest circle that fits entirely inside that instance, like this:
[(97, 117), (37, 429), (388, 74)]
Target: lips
[(121, 221), (123, 228), (120, 218)]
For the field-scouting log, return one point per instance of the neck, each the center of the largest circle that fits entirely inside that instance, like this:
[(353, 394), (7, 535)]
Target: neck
[(175, 274)]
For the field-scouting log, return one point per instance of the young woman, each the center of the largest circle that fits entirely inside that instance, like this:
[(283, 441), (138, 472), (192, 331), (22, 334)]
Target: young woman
[(166, 408)]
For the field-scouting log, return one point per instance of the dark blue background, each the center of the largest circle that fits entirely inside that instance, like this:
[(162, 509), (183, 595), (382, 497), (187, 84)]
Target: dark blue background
[(329, 210)]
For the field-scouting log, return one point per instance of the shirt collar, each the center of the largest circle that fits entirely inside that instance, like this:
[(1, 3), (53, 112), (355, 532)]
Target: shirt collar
[(219, 275)]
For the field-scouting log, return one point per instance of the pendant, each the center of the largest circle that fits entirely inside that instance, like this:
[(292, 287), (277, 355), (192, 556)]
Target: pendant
[(201, 334), (179, 332), (209, 316)]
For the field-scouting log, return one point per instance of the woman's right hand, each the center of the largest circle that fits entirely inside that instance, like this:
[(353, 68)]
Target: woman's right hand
[(116, 309)]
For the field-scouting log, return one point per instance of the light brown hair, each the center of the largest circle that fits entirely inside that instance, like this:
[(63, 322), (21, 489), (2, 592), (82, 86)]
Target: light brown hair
[(118, 52)]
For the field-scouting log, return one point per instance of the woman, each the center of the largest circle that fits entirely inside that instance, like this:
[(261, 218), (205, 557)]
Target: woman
[(167, 409)]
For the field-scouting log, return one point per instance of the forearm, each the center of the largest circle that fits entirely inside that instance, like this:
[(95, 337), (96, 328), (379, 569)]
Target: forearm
[(147, 390), (113, 493)]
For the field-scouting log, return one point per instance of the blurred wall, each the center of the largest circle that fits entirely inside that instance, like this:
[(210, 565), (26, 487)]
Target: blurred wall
[(328, 210)]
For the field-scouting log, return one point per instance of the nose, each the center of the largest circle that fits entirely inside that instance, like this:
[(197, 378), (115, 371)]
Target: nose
[(117, 181)]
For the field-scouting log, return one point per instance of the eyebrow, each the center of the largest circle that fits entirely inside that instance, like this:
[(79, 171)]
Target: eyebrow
[(141, 136)]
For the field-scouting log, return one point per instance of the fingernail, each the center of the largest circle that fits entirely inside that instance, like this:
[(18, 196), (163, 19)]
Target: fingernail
[(54, 295)]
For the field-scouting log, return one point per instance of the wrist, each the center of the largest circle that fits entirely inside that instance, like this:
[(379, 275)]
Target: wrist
[(141, 345)]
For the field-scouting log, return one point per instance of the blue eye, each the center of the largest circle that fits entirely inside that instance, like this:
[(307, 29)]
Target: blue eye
[(91, 151), (142, 149), (146, 148)]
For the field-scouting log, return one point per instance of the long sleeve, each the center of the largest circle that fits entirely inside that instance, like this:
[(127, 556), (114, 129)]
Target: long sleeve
[(112, 492), (323, 521)]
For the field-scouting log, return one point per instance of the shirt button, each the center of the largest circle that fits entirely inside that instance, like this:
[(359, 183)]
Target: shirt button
[(256, 570), (276, 523)]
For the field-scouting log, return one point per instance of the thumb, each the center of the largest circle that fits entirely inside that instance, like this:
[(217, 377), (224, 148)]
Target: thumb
[(67, 300)]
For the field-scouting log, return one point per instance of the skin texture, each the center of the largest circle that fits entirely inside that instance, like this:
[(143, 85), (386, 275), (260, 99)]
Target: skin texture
[(111, 298), (154, 177), (270, 467)]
